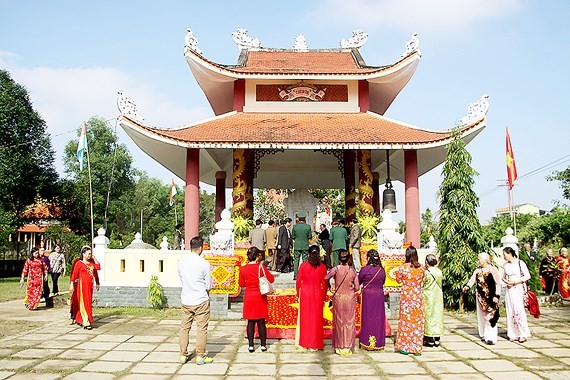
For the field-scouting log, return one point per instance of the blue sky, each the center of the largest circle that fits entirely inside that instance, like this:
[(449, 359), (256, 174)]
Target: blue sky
[(73, 57)]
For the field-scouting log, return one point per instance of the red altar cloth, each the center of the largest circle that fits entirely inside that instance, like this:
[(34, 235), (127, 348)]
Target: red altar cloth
[(282, 319)]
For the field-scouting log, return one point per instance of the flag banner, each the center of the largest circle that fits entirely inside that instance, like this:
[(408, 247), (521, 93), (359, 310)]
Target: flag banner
[(511, 166), (82, 146), (173, 192)]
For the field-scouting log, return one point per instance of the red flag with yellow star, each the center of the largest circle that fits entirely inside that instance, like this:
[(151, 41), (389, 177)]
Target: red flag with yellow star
[(511, 167)]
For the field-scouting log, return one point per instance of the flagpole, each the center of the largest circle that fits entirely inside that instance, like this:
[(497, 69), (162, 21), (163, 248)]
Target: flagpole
[(175, 215), (90, 194), (514, 210)]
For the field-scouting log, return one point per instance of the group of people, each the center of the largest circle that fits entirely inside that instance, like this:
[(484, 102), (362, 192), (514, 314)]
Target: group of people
[(288, 247), (41, 263), (555, 273), (38, 267), (489, 282), (416, 327)]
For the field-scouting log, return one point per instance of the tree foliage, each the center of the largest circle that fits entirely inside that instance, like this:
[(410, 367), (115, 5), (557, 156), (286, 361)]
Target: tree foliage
[(428, 227), (564, 178), (459, 235), (112, 177), (334, 198), (268, 205), (26, 155)]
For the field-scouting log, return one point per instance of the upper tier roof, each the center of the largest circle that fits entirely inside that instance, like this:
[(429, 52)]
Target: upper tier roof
[(342, 64)]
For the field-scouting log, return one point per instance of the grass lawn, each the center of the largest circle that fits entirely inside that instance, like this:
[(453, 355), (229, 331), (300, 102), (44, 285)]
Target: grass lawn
[(104, 312), (10, 288), (11, 328)]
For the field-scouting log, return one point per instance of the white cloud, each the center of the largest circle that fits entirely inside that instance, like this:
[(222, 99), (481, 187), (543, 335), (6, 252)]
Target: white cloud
[(425, 16), (65, 97)]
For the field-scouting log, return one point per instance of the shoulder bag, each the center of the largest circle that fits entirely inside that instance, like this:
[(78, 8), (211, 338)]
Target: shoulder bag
[(265, 287)]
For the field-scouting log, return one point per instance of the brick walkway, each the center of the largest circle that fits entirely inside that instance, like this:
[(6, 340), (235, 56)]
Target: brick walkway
[(146, 348)]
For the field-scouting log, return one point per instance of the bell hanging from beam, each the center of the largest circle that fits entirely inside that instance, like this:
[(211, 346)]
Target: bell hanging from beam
[(389, 195), (389, 198)]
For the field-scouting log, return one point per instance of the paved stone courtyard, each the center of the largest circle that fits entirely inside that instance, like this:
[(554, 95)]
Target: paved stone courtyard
[(147, 348)]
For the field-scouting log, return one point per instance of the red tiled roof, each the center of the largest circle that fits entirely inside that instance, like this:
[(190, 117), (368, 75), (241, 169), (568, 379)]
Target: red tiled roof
[(288, 62), (303, 129)]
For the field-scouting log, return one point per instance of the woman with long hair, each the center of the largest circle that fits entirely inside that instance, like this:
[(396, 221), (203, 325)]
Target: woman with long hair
[(344, 304), (433, 302), (312, 289), (81, 287), (373, 320), (411, 321), (515, 276), (36, 271), (254, 303), (488, 295)]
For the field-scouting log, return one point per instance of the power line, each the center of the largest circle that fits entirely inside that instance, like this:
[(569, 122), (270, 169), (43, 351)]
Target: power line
[(530, 174), (57, 134)]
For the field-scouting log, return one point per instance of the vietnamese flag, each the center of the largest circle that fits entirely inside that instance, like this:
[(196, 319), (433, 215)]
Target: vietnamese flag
[(511, 167)]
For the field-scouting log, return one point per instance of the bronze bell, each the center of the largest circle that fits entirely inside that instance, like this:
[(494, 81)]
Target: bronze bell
[(389, 198)]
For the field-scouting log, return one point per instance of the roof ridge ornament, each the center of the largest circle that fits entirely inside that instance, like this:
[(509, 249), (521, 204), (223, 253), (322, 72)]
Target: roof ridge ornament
[(127, 107), (244, 41), (358, 39), (476, 111), (300, 43), (191, 42), (413, 45)]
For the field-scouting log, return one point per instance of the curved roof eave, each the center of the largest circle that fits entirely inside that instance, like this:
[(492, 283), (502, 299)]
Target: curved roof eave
[(171, 153), (217, 81), (149, 135)]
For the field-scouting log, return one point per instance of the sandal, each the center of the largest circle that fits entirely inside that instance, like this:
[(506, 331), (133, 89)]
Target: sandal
[(263, 348), (251, 349)]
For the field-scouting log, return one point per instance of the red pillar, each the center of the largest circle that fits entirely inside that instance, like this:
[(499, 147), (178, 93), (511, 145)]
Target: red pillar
[(412, 197), (192, 196), (363, 95), (239, 95), (220, 195), (376, 194)]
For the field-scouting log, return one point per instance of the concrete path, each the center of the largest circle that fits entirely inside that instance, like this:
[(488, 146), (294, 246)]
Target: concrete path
[(147, 348)]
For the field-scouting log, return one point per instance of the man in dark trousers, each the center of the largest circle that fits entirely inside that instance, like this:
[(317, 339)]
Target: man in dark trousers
[(301, 234), (284, 246), (178, 237)]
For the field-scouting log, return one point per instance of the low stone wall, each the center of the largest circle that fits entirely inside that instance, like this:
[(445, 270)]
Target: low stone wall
[(137, 296)]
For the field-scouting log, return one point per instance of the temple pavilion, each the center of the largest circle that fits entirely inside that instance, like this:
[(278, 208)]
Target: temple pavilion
[(299, 118)]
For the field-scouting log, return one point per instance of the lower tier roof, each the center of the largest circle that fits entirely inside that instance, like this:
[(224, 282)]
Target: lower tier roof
[(295, 150)]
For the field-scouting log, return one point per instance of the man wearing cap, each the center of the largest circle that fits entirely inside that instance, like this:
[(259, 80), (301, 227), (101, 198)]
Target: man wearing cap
[(301, 234), (338, 236), (355, 243)]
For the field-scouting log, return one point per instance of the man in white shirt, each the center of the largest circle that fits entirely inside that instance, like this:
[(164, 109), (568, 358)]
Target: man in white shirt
[(196, 281)]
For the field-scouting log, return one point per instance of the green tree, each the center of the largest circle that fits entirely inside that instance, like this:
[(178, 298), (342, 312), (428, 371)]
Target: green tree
[(427, 226), (112, 178), (26, 155), (334, 198), (459, 232), (268, 205), (564, 178)]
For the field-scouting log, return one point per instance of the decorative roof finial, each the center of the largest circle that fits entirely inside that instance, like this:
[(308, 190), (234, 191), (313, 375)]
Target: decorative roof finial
[(413, 45), (300, 43), (191, 42), (357, 40), (476, 111), (244, 41), (127, 107)]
